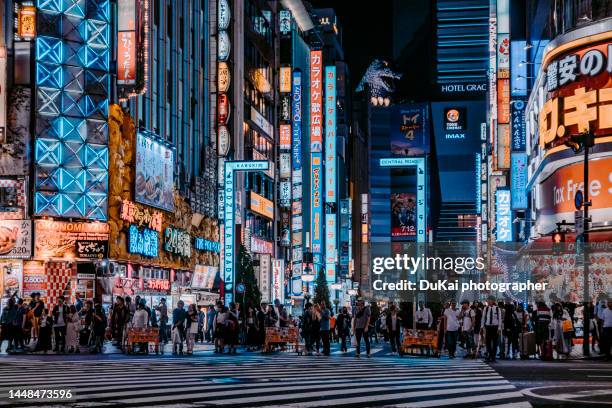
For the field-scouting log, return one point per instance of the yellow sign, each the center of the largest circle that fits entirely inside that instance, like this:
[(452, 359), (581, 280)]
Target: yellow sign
[(262, 205), (582, 109)]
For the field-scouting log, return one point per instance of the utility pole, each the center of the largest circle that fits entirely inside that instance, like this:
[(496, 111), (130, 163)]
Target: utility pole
[(583, 142)]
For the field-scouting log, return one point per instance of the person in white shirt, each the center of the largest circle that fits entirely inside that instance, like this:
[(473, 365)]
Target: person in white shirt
[(606, 317), (452, 325), (140, 320), (467, 328), (492, 322), (423, 317)]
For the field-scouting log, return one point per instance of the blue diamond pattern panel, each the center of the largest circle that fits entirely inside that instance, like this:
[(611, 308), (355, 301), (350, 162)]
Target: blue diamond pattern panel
[(72, 91)]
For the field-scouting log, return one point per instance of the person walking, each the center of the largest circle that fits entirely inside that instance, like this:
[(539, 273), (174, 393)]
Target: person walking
[(210, 318), (119, 319), (220, 327), (179, 318), (542, 319), (492, 316), (60, 313), (307, 328), (86, 321), (451, 326), (343, 328), (45, 330), (233, 327), (99, 323), (73, 327), (191, 327), (201, 325), (37, 307), (512, 327), (393, 323), (361, 324), (468, 317), (325, 328), (478, 343), (6, 324), (563, 329), (423, 317), (162, 308), (252, 329), (140, 321), (315, 328)]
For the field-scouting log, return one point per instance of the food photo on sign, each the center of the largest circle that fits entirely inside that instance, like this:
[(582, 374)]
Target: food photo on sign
[(154, 173)]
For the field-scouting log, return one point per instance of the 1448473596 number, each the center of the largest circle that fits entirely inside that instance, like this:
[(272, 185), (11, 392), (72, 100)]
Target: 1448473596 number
[(41, 394)]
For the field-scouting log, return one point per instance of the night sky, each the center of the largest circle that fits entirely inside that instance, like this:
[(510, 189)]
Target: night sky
[(367, 31)]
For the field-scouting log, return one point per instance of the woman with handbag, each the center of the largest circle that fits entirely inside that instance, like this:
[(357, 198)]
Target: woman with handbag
[(563, 330), (192, 327)]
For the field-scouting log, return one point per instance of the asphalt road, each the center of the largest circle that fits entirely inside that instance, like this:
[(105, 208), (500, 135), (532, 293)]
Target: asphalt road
[(569, 383), (288, 380)]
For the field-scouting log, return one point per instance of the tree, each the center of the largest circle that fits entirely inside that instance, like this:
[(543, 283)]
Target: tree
[(246, 276), (321, 290)]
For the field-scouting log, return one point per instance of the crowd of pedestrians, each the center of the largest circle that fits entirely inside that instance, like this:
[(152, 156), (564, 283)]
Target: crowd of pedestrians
[(35, 327), (492, 330)]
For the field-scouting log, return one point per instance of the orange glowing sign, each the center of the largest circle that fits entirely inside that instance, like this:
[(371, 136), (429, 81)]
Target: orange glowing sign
[(27, 22)]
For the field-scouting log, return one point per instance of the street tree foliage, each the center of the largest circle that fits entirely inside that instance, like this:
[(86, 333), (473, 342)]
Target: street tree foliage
[(322, 290), (246, 276)]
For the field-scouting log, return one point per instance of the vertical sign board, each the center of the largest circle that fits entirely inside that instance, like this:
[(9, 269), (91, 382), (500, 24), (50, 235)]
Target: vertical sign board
[(518, 181), (264, 277), (421, 196), (316, 148), (278, 283), (330, 134), (317, 205), (331, 255), (519, 127), (228, 217), (503, 216), (126, 44), (330, 172), (316, 101), (296, 154)]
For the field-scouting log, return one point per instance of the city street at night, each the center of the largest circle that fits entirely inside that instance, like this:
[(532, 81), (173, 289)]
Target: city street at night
[(306, 203)]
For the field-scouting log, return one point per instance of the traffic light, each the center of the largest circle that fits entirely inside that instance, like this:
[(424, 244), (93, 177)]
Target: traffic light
[(558, 240), (578, 142)]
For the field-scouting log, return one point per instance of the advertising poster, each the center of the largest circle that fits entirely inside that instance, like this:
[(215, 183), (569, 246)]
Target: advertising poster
[(34, 278), (15, 238), (410, 130), (62, 239), (154, 173), (12, 277), (403, 215)]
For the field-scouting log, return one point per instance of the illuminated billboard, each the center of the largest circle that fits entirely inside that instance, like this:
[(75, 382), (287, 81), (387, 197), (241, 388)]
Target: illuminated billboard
[(503, 215), (316, 101)]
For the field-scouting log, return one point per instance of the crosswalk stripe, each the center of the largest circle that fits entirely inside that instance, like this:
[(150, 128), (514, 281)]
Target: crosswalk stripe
[(254, 379)]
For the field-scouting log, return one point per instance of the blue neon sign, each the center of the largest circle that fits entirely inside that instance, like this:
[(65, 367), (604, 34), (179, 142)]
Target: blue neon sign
[(143, 242)]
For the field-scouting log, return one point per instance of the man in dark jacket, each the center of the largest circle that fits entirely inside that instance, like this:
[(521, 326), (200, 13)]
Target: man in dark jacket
[(119, 318), (60, 314), (343, 327)]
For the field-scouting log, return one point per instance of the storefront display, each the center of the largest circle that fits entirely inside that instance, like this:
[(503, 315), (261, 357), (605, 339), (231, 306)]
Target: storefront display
[(70, 240)]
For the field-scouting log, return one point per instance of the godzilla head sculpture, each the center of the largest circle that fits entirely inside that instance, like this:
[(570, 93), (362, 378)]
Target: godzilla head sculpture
[(380, 78)]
